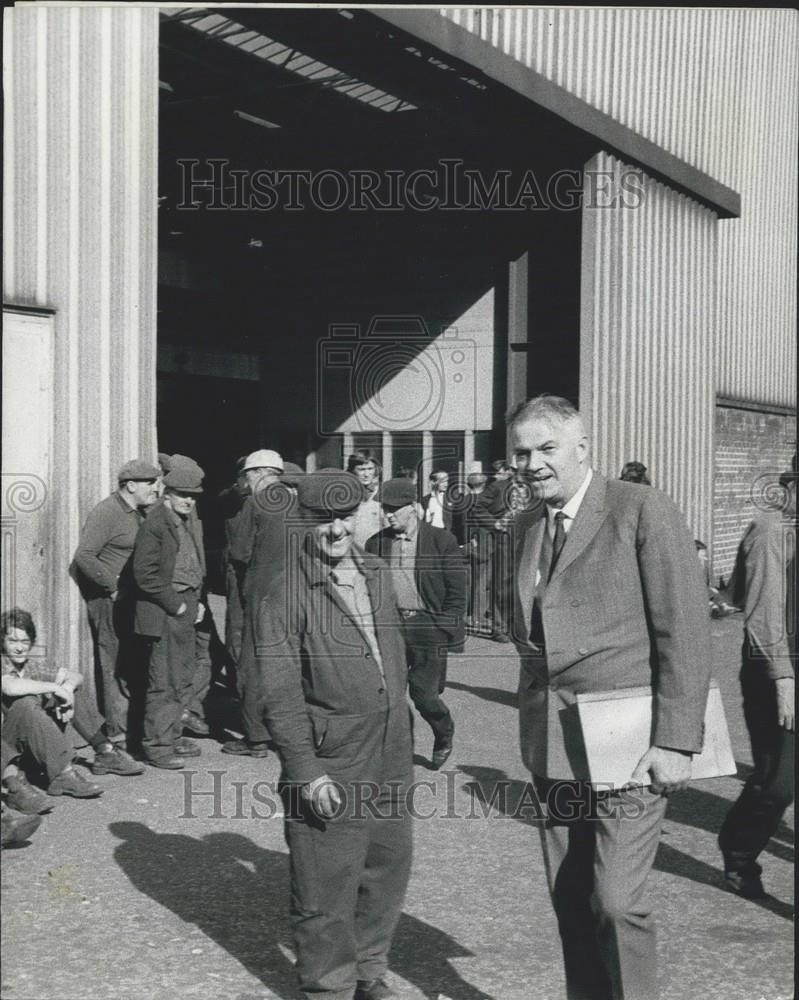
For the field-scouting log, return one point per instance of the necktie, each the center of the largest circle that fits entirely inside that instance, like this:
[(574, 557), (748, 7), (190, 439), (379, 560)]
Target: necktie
[(558, 541)]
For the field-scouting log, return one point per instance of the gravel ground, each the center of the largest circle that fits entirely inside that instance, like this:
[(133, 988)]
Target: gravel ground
[(156, 891)]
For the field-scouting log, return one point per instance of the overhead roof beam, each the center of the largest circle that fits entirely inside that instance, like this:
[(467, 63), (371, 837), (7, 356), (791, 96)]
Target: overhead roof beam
[(455, 42)]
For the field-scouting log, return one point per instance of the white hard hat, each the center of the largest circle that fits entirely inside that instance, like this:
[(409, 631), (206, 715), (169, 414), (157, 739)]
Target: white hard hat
[(264, 458)]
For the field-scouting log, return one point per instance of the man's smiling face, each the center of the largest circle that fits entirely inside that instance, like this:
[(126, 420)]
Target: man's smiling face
[(555, 454)]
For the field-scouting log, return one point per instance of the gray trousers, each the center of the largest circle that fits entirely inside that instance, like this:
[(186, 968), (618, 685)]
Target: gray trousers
[(30, 729), (111, 627), (169, 681), (598, 852)]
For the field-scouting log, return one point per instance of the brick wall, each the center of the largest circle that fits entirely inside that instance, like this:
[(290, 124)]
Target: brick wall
[(753, 448)]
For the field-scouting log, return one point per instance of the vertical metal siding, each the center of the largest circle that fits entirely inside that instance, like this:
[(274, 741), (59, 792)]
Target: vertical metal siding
[(649, 310), (80, 176), (718, 88)]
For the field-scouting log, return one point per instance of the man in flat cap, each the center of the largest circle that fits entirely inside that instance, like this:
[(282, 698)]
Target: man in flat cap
[(102, 568), (168, 570), (429, 576), (333, 675), (257, 553)]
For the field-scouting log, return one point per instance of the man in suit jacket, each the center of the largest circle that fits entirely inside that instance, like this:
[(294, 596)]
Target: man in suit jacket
[(333, 676), (608, 594), (437, 507), (168, 570), (428, 575)]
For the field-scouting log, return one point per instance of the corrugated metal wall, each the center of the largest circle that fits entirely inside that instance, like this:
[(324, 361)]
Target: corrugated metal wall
[(646, 351), (718, 88), (80, 204)]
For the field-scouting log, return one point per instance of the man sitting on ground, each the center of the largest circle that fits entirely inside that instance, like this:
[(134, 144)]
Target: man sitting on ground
[(35, 715)]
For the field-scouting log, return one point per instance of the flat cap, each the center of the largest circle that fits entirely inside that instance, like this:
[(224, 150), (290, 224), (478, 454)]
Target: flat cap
[(138, 470), (330, 492), (398, 492), (184, 475), (291, 473), (264, 458)]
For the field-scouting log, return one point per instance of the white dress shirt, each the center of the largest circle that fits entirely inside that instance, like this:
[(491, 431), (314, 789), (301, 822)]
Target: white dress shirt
[(569, 511)]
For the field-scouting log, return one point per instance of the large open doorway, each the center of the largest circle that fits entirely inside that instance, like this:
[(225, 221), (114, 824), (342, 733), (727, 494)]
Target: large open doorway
[(409, 183)]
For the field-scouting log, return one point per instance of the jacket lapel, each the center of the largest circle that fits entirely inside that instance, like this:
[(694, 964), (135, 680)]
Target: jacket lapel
[(589, 517), (528, 556)]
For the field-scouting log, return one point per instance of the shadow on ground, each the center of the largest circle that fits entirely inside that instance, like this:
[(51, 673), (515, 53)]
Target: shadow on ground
[(486, 693), (702, 809), (492, 790), (238, 895)]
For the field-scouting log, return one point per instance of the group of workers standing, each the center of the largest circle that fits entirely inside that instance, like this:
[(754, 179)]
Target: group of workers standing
[(345, 593)]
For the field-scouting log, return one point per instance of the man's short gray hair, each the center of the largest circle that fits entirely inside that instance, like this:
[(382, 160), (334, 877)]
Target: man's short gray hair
[(547, 407)]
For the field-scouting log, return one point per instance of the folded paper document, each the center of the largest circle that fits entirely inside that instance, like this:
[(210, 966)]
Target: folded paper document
[(617, 732)]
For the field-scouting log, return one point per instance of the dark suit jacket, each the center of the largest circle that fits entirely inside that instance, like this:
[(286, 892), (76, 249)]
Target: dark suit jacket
[(626, 606), (440, 574), (154, 557), (326, 703), (447, 512), (258, 546)]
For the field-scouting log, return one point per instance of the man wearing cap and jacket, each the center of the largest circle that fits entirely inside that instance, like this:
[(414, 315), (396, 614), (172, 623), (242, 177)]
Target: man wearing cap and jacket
[(429, 577), (257, 553), (168, 570), (102, 567), (333, 674)]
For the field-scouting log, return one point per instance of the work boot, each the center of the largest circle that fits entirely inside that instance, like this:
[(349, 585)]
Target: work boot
[(185, 747), (69, 782), (16, 828), (115, 761), (243, 748), (167, 763), (194, 724), (23, 797), (372, 989)]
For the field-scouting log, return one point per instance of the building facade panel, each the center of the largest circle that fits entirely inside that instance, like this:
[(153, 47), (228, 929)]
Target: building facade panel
[(753, 447), (80, 177), (717, 88), (647, 321)]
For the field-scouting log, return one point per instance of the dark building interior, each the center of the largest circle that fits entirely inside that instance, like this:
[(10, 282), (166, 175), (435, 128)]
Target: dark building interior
[(247, 92)]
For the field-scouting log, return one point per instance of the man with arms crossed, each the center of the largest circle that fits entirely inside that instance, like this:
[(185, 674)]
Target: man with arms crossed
[(608, 594)]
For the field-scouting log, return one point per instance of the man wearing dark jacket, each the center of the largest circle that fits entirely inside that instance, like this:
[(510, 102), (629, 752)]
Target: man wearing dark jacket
[(168, 570), (428, 574), (333, 677), (257, 553)]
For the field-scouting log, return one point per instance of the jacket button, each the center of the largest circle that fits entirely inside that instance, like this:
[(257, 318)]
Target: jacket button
[(368, 656), (553, 687), (582, 652), (575, 604), (381, 690)]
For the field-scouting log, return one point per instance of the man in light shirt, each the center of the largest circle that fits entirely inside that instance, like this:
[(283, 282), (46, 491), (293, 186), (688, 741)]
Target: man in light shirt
[(608, 594), (369, 517), (764, 586), (435, 504)]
